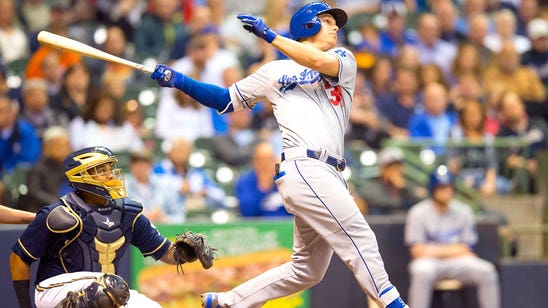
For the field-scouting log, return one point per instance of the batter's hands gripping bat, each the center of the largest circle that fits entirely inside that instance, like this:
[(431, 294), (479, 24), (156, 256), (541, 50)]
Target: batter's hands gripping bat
[(65, 43)]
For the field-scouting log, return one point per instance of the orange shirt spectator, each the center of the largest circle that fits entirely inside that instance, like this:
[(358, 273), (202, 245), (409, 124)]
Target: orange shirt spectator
[(34, 67)]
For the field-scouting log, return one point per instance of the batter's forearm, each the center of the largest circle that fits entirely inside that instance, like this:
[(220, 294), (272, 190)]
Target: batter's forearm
[(308, 55)]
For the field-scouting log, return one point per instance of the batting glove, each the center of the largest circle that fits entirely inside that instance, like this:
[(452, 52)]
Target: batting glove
[(257, 26), (167, 77)]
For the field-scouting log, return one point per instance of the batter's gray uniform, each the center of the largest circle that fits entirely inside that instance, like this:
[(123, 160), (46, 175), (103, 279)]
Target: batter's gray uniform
[(426, 225), (312, 112)]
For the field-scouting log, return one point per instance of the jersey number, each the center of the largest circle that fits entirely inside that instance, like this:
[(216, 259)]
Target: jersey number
[(335, 94)]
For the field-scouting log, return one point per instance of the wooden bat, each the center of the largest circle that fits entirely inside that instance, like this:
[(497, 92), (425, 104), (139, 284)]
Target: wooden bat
[(65, 43)]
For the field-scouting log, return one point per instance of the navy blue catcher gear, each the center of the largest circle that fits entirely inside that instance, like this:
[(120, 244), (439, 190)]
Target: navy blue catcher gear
[(440, 176), (305, 21), (93, 170)]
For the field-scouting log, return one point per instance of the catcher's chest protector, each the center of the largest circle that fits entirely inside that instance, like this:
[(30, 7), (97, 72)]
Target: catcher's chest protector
[(101, 238)]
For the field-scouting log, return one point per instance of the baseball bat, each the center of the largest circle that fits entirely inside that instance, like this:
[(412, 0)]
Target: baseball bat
[(65, 43)]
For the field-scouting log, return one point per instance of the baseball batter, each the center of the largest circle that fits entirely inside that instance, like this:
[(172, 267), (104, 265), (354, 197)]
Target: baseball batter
[(311, 95), (84, 235)]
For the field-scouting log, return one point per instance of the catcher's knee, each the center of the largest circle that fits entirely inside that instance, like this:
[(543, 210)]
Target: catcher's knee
[(108, 291)]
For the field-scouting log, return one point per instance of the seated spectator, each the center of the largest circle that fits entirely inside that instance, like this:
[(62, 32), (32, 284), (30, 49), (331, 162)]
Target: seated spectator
[(521, 162), (466, 62), (517, 78), (390, 193), (537, 57), (34, 14), (381, 73), (19, 143), (505, 32), (256, 191), (398, 107), (46, 180), (36, 109), (446, 12), (101, 124), (160, 35), (75, 89), (476, 162), (440, 233), (478, 25), (53, 73), (161, 198), (236, 147), (365, 123), (431, 48), (435, 122), (200, 190), (408, 58), (13, 40), (431, 73), (467, 87), (396, 34)]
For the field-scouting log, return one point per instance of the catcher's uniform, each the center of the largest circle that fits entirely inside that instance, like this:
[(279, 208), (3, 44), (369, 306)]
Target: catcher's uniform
[(71, 236)]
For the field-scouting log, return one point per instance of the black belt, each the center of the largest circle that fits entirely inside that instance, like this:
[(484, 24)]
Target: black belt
[(338, 163)]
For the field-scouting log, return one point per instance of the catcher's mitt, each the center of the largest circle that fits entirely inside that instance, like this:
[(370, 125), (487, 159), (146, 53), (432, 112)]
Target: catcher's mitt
[(190, 247)]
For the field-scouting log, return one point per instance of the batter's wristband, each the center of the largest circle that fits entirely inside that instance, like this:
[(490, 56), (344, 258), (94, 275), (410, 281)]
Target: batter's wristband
[(22, 291)]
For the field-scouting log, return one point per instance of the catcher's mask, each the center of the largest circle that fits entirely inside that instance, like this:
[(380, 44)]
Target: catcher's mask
[(305, 21), (94, 170)]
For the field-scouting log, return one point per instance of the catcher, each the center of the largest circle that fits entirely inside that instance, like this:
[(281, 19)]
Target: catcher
[(83, 236)]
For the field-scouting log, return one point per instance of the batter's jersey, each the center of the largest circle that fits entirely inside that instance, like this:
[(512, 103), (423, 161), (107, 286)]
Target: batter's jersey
[(426, 225), (311, 109)]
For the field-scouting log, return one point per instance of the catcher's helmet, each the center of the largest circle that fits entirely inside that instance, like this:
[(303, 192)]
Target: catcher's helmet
[(440, 176), (93, 170), (305, 21)]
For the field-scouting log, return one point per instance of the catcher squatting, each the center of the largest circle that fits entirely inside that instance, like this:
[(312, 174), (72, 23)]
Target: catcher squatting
[(80, 239)]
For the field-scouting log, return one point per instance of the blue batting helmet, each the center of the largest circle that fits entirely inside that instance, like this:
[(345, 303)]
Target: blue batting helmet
[(440, 176), (305, 21), (83, 170)]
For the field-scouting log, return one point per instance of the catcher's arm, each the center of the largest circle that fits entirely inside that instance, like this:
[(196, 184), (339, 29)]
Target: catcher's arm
[(169, 257)]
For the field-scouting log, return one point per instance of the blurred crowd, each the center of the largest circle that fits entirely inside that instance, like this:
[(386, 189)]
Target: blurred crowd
[(455, 77)]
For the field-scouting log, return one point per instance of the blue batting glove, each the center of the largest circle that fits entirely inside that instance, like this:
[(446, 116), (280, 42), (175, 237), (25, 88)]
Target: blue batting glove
[(257, 26), (167, 77)]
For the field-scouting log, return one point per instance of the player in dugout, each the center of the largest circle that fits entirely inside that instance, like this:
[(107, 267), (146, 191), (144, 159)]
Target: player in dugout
[(80, 240), (311, 94)]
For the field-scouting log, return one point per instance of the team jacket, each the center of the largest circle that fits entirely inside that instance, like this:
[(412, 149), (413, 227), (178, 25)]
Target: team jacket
[(71, 236)]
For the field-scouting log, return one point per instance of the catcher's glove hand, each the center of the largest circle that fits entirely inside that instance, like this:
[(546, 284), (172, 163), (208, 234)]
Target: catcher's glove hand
[(190, 247)]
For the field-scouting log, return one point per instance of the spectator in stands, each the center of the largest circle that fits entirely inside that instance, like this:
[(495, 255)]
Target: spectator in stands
[(537, 57), (399, 106), (53, 73), (365, 123), (476, 162), (408, 58), (256, 191), (34, 15), (59, 21), (470, 8), (13, 40), (380, 81), (75, 90), (132, 113), (19, 143), (466, 62), (236, 147), (36, 109), (478, 25), (447, 13), (505, 31), (151, 37), (493, 95), (435, 122), (431, 73), (431, 48), (46, 180), (101, 124), (391, 192), (526, 11), (467, 87), (162, 199), (516, 78), (200, 190), (125, 14), (178, 115), (440, 233), (522, 162), (396, 34)]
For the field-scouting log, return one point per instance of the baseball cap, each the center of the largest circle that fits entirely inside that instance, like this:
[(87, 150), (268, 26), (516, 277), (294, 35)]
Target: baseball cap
[(389, 155), (537, 28)]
